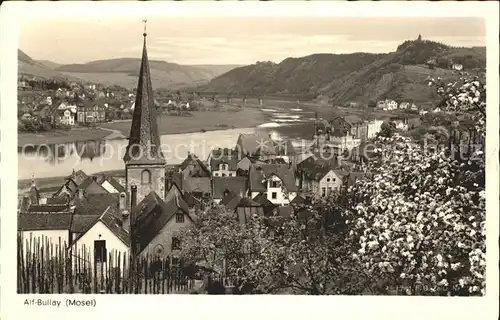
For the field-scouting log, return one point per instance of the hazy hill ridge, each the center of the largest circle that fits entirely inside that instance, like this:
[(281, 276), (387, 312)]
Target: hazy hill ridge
[(123, 71), (357, 77)]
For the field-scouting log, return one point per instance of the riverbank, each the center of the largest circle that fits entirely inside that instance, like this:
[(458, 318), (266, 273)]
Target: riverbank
[(62, 136), (200, 121)]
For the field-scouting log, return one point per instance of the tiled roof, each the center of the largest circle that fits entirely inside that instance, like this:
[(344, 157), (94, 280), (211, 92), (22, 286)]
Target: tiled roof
[(258, 173), (112, 220), (193, 158), (277, 148), (58, 200), (78, 177), (153, 213), (39, 221), (81, 223), (250, 143), (237, 185), (196, 184), (95, 204), (46, 208), (231, 201), (298, 200), (231, 160), (263, 200)]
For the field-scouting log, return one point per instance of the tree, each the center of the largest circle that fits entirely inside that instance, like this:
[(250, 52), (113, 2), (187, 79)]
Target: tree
[(387, 130), (419, 223)]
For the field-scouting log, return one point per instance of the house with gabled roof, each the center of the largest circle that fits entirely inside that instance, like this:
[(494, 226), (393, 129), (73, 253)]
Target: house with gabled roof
[(222, 186), (102, 237), (157, 223), (276, 182), (53, 228), (192, 166), (323, 180), (223, 162)]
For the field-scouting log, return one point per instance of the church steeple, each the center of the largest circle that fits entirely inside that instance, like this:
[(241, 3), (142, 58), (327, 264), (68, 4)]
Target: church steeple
[(144, 141), (144, 161)]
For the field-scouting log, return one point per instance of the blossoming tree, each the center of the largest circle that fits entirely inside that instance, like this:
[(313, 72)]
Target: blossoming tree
[(419, 223)]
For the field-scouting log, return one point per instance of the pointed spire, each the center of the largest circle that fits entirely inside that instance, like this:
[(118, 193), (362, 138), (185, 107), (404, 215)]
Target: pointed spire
[(144, 141), (33, 184)]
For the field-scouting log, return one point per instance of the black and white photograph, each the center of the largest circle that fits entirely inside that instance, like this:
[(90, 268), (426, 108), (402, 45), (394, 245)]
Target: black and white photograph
[(202, 154)]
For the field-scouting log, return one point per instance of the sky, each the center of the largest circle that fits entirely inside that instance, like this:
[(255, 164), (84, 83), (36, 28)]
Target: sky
[(234, 40)]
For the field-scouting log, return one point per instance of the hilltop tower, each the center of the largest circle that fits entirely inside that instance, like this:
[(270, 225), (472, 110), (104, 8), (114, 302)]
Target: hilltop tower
[(144, 160)]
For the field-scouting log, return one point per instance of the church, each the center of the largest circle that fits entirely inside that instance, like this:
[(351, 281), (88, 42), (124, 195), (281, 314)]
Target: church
[(152, 220)]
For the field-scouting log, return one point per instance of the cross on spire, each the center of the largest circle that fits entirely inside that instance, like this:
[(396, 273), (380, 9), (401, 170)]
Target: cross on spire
[(145, 25)]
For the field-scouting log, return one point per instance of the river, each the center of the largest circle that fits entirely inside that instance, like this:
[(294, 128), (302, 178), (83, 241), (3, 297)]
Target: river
[(94, 156)]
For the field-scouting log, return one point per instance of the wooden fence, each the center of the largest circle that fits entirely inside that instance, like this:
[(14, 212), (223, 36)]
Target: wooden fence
[(45, 267)]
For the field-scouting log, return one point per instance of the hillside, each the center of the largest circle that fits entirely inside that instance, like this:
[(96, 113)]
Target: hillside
[(124, 72), (29, 67), (50, 64), (359, 77)]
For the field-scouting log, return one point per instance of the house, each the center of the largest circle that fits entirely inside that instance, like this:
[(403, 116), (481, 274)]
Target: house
[(156, 225), (323, 180), (381, 104), (244, 164), (222, 186), (404, 105), (96, 204), (53, 228), (457, 67), (103, 237), (373, 127), (66, 117), (275, 181), (400, 123), (274, 150), (391, 104), (198, 187), (268, 207), (223, 162), (413, 107), (248, 144), (91, 112), (192, 166)]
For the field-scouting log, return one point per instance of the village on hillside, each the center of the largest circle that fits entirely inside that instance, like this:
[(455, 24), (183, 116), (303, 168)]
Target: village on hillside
[(340, 214)]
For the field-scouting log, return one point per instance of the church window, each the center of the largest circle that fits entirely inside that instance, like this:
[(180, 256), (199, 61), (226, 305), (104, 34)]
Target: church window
[(146, 177)]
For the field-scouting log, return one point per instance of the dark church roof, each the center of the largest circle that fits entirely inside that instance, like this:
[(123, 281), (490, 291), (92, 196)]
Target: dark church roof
[(95, 204), (144, 141)]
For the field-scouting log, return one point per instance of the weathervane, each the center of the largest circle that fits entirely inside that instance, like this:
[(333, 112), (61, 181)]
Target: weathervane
[(145, 21)]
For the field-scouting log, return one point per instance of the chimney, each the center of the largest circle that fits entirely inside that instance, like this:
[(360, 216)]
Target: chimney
[(123, 202), (133, 197)]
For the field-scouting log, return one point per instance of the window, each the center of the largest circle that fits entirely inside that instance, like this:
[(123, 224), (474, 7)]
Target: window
[(333, 179), (216, 174), (179, 217), (230, 174), (176, 244), (323, 191), (329, 190), (146, 177), (275, 184), (327, 179), (100, 251), (223, 174), (274, 195)]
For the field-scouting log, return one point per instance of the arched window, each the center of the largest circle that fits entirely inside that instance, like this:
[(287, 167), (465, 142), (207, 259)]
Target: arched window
[(146, 177)]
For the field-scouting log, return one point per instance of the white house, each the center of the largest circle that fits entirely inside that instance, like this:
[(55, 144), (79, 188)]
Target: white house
[(62, 106), (223, 162), (373, 127), (381, 104), (404, 105), (457, 66), (103, 237), (391, 104), (323, 181), (275, 181), (66, 117), (44, 228)]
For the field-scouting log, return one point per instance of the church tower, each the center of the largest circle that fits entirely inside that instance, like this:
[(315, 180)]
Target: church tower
[(144, 160)]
